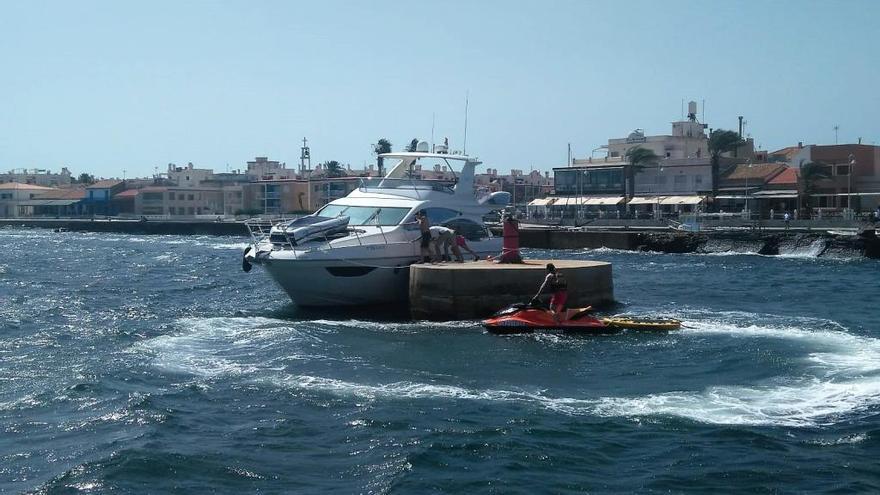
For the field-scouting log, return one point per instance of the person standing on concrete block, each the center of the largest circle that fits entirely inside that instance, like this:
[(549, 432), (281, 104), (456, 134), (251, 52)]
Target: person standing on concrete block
[(425, 241), (510, 241), (555, 284), (443, 237)]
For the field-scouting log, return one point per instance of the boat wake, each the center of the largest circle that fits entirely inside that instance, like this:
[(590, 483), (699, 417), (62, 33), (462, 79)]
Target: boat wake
[(839, 379)]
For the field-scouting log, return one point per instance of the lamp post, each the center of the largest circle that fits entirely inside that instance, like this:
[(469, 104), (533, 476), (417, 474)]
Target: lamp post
[(852, 164), (658, 214), (748, 171)]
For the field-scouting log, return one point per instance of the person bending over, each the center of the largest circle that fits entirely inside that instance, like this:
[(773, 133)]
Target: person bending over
[(443, 237), (461, 243)]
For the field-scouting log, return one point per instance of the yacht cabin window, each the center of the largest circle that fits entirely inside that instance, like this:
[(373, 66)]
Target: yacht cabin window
[(366, 215)]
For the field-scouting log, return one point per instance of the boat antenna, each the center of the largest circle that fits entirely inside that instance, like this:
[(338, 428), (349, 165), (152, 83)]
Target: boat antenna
[(464, 147)]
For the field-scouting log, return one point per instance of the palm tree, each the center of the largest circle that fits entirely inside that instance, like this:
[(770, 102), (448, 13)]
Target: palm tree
[(413, 145), (811, 173), (721, 141), (382, 146), (334, 169), (638, 157)]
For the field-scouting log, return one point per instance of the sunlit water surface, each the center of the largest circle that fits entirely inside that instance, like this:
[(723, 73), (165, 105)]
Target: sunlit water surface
[(153, 364)]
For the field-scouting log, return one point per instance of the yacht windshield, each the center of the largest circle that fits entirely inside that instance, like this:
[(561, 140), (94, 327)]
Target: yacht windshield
[(366, 215)]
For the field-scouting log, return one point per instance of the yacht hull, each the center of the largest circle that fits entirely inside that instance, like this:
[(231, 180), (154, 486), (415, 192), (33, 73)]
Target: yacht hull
[(342, 283)]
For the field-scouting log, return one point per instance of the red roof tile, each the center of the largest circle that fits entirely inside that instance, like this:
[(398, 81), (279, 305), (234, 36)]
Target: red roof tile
[(787, 176)]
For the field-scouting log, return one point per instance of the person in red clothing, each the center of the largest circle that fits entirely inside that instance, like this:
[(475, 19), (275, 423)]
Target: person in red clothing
[(461, 243), (555, 284)]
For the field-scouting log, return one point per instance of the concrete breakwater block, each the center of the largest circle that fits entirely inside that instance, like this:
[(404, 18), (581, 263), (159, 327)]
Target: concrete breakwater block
[(458, 291)]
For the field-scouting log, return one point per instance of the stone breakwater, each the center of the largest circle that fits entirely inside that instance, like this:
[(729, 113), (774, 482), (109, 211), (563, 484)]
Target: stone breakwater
[(764, 243)]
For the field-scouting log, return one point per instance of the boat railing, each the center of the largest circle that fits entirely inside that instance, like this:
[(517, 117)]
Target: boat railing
[(261, 230), (408, 183)]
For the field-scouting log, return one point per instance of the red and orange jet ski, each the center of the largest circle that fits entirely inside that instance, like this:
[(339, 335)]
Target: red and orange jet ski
[(519, 318)]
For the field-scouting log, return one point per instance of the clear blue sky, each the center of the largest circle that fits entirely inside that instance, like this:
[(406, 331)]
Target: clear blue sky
[(106, 86)]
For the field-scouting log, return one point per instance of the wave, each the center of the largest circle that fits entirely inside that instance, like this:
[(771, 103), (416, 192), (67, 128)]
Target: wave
[(841, 376)]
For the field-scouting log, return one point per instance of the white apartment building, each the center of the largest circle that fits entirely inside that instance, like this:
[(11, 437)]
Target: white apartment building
[(188, 176), (37, 176)]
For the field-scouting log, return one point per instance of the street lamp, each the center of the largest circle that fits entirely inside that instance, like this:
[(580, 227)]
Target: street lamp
[(852, 164), (748, 195), (658, 213)]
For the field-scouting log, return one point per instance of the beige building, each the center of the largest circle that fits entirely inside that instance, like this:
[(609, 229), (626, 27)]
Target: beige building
[(16, 198), (277, 197), (188, 176), (178, 201)]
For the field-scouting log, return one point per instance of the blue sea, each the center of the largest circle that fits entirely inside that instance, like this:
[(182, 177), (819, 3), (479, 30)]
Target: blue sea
[(153, 364)]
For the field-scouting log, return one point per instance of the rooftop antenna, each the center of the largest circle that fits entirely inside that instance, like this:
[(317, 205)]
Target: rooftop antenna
[(464, 147), (432, 130), (682, 109), (836, 128), (704, 111)]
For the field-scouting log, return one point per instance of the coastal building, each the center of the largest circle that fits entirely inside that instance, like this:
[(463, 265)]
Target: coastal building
[(188, 176), (852, 171), (262, 168), (98, 196), (37, 176), (750, 187), (177, 201), (67, 202), (16, 198), (277, 197), (679, 181)]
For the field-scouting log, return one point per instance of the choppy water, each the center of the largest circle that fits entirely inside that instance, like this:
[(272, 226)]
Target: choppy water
[(153, 364)]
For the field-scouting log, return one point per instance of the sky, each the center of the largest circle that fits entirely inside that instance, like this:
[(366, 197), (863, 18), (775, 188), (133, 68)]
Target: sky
[(107, 86)]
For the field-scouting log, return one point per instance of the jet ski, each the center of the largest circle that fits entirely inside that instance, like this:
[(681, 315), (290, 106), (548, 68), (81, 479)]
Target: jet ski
[(519, 318)]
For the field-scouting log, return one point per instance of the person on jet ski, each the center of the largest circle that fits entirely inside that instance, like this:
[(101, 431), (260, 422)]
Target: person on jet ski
[(555, 284)]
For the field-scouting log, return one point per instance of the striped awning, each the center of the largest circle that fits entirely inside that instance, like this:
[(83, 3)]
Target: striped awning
[(681, 200)]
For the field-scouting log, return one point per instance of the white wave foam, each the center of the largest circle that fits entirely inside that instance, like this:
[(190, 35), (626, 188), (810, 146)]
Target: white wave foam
[(391, 326), (842, 376), (811, 403), (210, 347), (811, 251)]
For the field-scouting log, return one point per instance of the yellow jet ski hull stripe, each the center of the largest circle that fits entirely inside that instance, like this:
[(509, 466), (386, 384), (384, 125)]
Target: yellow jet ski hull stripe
[(641, 323)]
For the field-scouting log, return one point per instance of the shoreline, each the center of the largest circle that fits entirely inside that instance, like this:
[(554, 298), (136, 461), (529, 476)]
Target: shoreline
[(769, 242)]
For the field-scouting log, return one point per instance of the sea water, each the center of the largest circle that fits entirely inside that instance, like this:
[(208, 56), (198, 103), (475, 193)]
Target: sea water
[(150, 364)]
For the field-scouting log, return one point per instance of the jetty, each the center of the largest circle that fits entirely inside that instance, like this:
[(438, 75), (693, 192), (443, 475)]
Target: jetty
[(474, 290)]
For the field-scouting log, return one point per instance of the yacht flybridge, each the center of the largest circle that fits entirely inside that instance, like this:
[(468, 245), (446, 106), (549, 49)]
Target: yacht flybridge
[(357, 250)]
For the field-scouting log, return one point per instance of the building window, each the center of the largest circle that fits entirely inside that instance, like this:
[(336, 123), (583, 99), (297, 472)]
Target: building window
[(843, 170), (698, 179), (190, 197), (180, 210), (191, 210), (171, 196), (680, 180)]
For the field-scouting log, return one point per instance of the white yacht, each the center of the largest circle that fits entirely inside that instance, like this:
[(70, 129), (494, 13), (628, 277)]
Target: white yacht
[(357, 250)]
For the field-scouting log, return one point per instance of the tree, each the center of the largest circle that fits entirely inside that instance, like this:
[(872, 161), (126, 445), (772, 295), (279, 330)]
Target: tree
[(721, 141), (638, 157), (811, 173), (334, 169), (382, 146), (413, 145), (85, 178)]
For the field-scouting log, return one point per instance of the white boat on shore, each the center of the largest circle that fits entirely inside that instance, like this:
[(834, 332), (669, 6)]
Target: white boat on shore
[(367, 260)]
